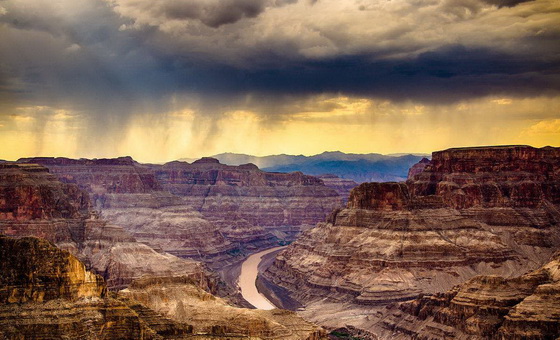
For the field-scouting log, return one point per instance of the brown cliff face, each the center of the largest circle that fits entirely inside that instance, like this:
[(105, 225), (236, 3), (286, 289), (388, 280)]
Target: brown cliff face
[(509, 176), (100, 176), (36, 203), (206, 210), (397, 240), (417, 168), (28, 192), (35, 270), (46, 293), (379, 196), (487, 307)]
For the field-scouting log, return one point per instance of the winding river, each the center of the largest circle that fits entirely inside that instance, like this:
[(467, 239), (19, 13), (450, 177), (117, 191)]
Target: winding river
[(248, 276)]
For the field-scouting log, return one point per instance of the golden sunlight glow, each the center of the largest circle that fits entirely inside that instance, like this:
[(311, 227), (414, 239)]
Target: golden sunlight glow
[(338, 123)]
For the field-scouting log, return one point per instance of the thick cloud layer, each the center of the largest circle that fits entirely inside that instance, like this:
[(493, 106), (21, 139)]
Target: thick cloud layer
[(108, 61)]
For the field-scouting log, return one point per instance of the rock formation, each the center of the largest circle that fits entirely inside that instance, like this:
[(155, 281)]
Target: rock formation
[(179, 300), (417, 168), (206, 210), (34, 203), (248, 205), (485, 307), (469, 212), (46, 293)]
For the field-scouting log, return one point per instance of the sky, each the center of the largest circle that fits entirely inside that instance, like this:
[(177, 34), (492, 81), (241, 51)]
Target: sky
[(165, 79)]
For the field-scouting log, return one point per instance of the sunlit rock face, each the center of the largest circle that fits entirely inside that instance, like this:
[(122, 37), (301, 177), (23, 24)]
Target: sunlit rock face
[(35, 203), (46, 293), (35, 270), (207, 211), (395, 241), (178, 299)]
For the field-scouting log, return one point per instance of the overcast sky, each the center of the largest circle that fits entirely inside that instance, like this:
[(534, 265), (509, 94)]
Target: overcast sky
[(165, 79)]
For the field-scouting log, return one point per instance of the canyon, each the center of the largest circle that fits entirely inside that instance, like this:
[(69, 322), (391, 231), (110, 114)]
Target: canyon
[(104, 284), (47, 293), (467, 212), (466, 248), (207, 211)]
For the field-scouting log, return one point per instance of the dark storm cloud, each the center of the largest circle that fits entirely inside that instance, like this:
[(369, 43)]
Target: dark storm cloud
[(212, 13), (448, 74), (120, 58), (506, 3)]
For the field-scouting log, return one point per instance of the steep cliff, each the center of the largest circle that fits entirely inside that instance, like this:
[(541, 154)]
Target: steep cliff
[(485, 307), (46, 293), (395, 241), (36, 203)]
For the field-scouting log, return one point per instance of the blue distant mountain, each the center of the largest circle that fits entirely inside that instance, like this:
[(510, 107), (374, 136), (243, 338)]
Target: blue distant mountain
[(372, 167)]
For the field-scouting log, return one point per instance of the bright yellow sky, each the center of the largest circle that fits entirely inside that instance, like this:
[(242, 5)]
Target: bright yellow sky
[(355, 125)]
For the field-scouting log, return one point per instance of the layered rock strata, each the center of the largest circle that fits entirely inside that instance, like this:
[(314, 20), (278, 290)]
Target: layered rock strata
[(47, 293), (485, 307), (247, 203), (179, 300), (174, 207), (34, 203), (395, 241)]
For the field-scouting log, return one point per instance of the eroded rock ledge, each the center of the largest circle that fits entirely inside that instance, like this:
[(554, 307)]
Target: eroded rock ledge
[(485, 307), (468, 212)]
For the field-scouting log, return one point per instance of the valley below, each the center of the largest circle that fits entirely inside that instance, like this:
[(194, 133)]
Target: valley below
[(466, 248)]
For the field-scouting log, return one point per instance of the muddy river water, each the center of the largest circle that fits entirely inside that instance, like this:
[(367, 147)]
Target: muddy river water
[(249, 271)]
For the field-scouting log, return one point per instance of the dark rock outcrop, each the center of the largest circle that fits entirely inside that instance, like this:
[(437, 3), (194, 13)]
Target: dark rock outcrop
[(35, 270)]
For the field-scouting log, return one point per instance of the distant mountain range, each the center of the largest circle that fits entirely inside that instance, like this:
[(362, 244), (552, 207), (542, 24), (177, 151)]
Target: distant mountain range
[(372, 167)]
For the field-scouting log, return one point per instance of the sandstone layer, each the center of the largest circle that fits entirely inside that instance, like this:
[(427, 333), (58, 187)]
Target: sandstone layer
[(469, 212), (485, 307), (35, 203), (178, 299), (206, 210)]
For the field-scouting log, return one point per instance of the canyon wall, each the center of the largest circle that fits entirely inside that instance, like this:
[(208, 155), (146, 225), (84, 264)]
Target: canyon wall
[(34, 202), (485, 307), (206, 211), (468, 212), (46, 293)]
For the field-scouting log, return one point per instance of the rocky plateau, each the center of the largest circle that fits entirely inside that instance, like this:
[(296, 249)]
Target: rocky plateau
[(47, 293), (206, 211), (467, 212)]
